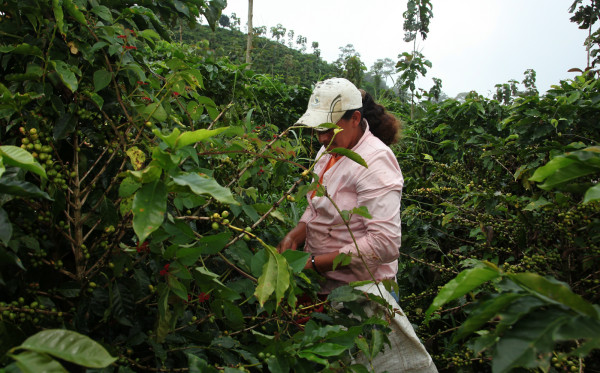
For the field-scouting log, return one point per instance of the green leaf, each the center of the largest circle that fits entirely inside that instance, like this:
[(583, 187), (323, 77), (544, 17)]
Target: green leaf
[(149, 207), (554, 291), (326, 349), (484, 311), (25, 49), (362, 211), (154, 110), (168, 139), (6, 229), (147, 175), (341, 260), (538, 203), (592, 194), (34, 362), (447, 218), (376, 342), (209, 245), (465, 282), (363, 345), (74, 12), (351, 155), (165, 325), (199, 365), (103, 12), (102, 79), (586, 348), (212, 11), (564, 168), (200, 185), (195, 110), (357, 368), (70, 346), (550, 168), (98, 100), (137, 70), (278, 364), (328, 126), (233, 315), (296, 259), (149, 34), (177, 287), (577, 328), (15, 156), (128, 187), (344, 293), (64, 125), (188, 138), (275, 277), (70, 289), (312, 357), (66, 74), (529, 340), (22, 189)]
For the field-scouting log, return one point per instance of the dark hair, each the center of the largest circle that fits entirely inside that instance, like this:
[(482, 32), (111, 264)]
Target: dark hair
[(382, 124)]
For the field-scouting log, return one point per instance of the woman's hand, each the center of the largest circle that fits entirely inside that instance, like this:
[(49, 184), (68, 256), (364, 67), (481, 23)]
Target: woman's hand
[(293, 239)]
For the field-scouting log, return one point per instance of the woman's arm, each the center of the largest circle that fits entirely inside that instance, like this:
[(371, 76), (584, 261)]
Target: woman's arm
[(323, 262)]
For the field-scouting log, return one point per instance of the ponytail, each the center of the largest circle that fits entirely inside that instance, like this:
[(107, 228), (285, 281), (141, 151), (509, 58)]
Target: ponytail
[(382, 124)]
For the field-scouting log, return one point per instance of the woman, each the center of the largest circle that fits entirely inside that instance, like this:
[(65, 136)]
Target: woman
[(367, 129)]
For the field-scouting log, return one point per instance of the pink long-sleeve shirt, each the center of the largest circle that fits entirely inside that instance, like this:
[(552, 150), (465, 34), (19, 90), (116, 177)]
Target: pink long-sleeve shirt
[(350, 185)]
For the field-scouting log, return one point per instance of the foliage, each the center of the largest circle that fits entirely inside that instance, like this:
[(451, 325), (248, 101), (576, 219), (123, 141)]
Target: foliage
[(562, 170), (410, 66), (585, 14), (349, 65), (471, 194), (534, 313), (42, 348), (416, 19), (435, 91), (144, 184), (507, 92), (268, 56)]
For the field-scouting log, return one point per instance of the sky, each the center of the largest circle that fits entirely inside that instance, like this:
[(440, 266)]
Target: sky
[(472, 44)]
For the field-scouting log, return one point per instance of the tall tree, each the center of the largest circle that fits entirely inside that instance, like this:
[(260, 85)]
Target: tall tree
[(350, 65), (278, 32), (416, 21), (250, 33), (315, 47), (586, 15), (410, 66)]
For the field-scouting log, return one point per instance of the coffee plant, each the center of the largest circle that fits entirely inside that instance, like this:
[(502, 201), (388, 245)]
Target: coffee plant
[(472, 195), (144, 184)]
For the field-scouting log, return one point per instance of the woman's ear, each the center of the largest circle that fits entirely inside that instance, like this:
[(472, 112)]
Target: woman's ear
[(356, 118)]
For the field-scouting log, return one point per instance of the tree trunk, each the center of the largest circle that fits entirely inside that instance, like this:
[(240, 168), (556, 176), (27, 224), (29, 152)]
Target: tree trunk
[(250, 33)]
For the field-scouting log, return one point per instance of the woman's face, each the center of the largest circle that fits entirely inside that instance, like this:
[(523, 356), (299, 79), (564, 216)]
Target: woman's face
[(349, 135)]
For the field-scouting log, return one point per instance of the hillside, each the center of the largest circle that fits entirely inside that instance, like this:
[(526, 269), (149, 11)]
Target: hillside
[(268, 56)]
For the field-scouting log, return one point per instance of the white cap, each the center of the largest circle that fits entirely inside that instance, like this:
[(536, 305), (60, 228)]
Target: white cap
[(329, 101)]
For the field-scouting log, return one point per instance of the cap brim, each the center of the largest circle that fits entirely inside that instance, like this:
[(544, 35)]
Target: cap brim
[(314, 118)]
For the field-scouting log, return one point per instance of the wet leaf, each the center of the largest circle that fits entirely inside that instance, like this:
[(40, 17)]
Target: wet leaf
[(70, 346), (149, 206)]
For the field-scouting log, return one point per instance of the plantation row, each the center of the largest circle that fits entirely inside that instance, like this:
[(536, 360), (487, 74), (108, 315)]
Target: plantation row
[(145, 184)]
